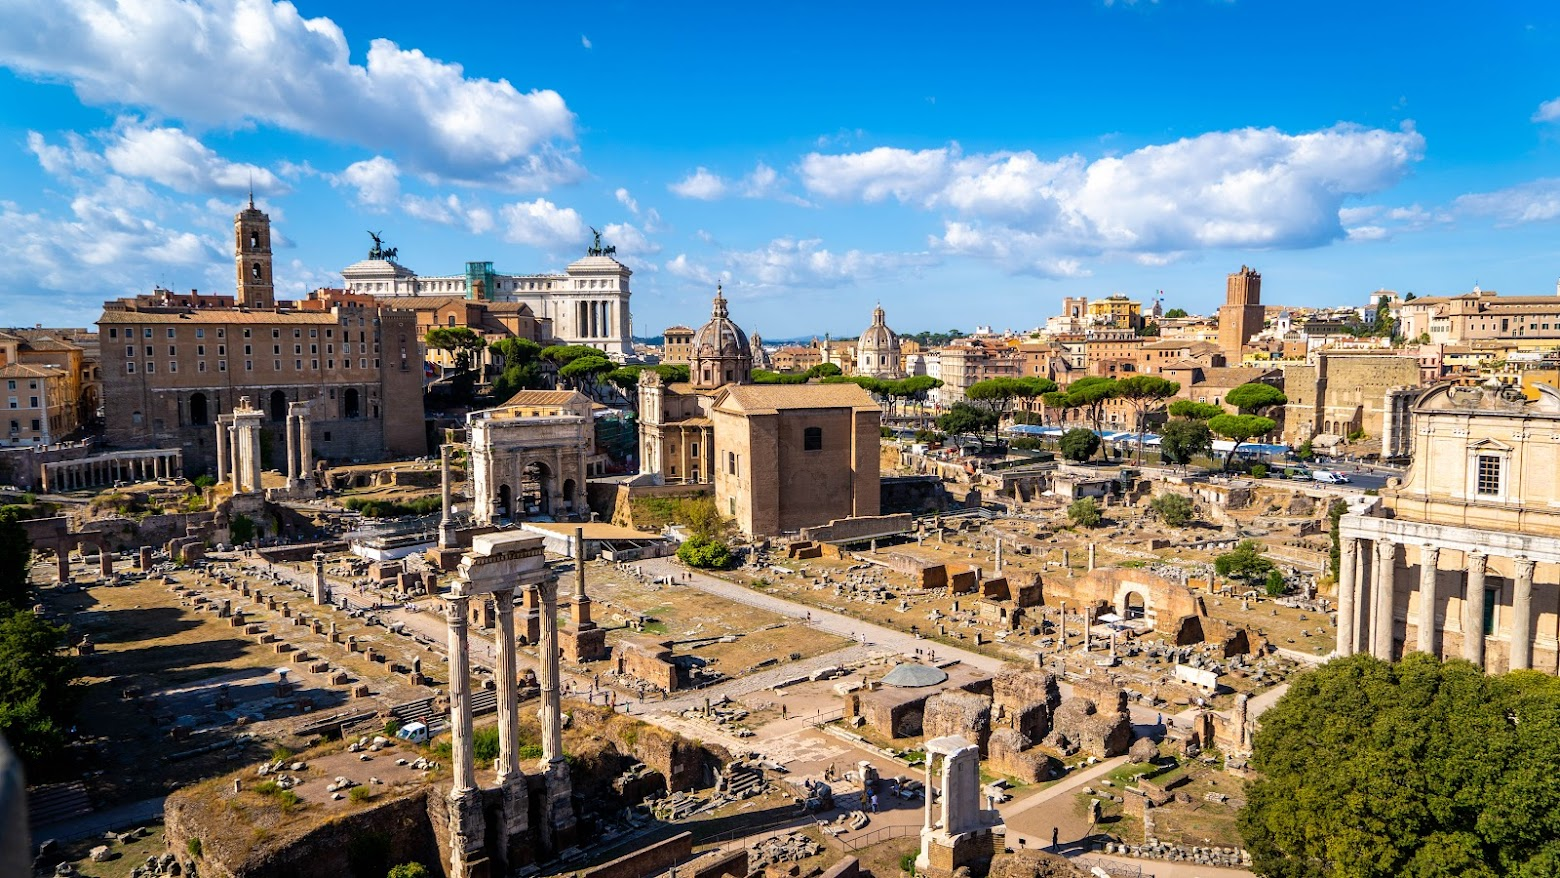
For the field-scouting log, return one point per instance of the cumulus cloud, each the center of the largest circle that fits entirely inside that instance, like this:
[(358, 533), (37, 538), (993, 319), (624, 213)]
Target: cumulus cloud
[(762, 182), (797, 264), (1377, 222), (628, 240), (701, 185), (1548, 111), (279, 68), (1533, 201), (173, 158), (61, 161), (1254, 187), (377, 181), (541, 223), (627, 200)]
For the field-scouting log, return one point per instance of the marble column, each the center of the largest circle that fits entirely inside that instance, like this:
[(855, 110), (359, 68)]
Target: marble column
[(319, 579), (552, 714), (1429, 556), (306, 446), (1381, 640), (1091, 556), (255, 483), (105, 561), (508, 691), (446, 523), (464, 774), (292, 452), (240, 465), (62, 562), (1522, 616), (1347, 583), (1473, 609)]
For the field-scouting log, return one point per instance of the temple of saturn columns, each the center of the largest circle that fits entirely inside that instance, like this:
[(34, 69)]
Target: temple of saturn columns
[(496, 566)]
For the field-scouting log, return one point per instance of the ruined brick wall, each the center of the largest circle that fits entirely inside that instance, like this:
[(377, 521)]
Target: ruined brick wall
[(650, 860), (1024, 700), (856, 528), (957, 712), (1009, 753), (648, 662)]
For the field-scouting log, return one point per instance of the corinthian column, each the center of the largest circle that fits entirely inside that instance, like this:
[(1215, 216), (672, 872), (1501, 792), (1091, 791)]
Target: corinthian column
[(1473, 609), (1428, 557), (1346, 586), (1522, 617), (1381, 640), (552, 708), (508, 695), (460, 701)]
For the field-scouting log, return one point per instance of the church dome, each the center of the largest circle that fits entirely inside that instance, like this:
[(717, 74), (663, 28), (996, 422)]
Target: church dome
[(721, 353), (877, 351)]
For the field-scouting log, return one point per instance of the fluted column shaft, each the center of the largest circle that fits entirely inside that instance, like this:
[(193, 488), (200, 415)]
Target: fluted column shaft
[(552, 712), (460, 701), (1381, 640), (508, 694), (1473, 609), (1522, 616), (1346, 585), (1429, 556)]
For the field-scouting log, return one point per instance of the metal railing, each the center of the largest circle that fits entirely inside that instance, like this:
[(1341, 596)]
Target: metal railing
[(882, 833)]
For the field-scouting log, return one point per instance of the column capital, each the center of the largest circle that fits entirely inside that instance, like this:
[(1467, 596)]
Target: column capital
[(1478, 560), (1430, 554), (1523, 566), (1386, 550)]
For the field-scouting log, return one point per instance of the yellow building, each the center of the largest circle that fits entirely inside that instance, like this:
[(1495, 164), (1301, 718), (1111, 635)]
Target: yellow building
[(1117, 311)]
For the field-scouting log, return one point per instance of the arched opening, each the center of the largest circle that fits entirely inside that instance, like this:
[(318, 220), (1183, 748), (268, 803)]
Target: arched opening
[(536, 487), (350, 408), (278, 405), (1134, 605), (570, 502), (502, 507), (199, 416)]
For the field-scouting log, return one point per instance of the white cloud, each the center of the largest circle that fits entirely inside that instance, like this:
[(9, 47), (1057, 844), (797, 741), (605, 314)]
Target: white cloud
[(278, 68), (585, 41), (627, 200), (1254, 187), (1533, 201), (702, 185), (541, 223), (1548, 111), (628, 240), (377, 181), (62, 161), (1368, 233), (796, 264), (173, 158)]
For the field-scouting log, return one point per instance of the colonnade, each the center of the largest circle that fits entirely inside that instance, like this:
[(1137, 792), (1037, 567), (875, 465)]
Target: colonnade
[(300, 447), (120, 466), (1369, 579), (238, 447), (597, 318)]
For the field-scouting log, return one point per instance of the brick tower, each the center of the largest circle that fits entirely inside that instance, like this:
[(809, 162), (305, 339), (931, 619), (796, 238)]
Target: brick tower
[(1240, 317), (252, 250)]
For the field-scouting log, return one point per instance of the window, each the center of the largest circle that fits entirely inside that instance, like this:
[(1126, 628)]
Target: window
[(170, 332), (276, 333), (812, 439), (731, 462), (297, 333), (246, 333), (1489, 476), (14, 404), (10, 385), (200, 332), (314, 333), (1491, 596), (113, 332), (693, 448), (151, 367), (149, 350), (222, 365), (221, 350), (731, 505), (130, 368), (249, 350), (37, 425), (146, 332), (173, 366)]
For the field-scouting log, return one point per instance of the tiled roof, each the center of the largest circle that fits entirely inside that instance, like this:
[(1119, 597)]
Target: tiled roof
[(223, 315), (23, 370), (757, 397), (546, 397)]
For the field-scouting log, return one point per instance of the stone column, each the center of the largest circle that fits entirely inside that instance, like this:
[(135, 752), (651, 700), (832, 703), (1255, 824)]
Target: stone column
[(62, 562), (1522, 616), (1347, 583), (446, 523), (1242, 723), (240, 464), (1428, 558), (255, 483), (1381, 637), (292, 452), (306, 445), (1473, 609), (464, 774), (105, 561), (319, 579), (552, 715), (1091, 556), (999, 556), (508, 692), (581, 600)]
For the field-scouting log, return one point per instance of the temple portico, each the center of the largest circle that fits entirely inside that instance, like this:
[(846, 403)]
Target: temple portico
[(107, 470)]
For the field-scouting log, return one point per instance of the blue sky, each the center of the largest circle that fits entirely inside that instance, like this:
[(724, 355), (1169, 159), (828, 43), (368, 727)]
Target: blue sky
[(962, 167)]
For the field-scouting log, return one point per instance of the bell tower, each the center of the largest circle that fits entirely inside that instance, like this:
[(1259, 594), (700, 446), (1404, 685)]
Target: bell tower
[(252, 251)]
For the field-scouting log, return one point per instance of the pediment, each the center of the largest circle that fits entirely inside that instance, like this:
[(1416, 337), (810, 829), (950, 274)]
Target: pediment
[(1488, 444)]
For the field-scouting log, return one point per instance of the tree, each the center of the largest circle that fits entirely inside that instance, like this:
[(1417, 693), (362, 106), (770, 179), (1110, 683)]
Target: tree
[(1084, 513), (1197, 411), (1275, 584), (1091, 394), (15, 559), (1079, 444), (823, 370), (460, 340), (1418, 768), (1183, 439), (1175, 313), (671, 374), (998, 394), (521, 369), (1173, 509), (37, 698), (1146, 394), (409, 870), (1244, 562), (706, 553), (964, 419), (1061, 402), (625, 378), (1239, 429), (1255, 397), (1335, 512), (583, 373)]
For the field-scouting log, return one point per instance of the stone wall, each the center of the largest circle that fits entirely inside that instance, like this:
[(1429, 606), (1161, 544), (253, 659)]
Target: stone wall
[(1024, 700), (650, 860), (23, 467), (647, 660), (861, 527), (957, 712), (913, 494)]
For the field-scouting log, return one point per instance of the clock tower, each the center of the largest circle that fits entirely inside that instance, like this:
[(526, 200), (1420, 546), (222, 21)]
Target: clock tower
[(252, 249)]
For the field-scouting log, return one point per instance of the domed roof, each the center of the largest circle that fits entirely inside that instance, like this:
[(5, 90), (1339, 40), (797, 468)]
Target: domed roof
[(720, 337), (910, 675), (878, 336)]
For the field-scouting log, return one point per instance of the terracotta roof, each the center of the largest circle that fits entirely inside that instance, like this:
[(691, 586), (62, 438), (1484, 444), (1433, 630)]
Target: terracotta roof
[(46, 344), (678, 328), (23, 370), (764, 397), (546, 397), (223, 315)]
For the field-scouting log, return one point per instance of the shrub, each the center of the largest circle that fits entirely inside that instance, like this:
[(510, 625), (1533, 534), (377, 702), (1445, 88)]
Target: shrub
[(706, 553), (1174, 509), (1275, 583), (1079, 444), (1084, 513), (409, 870), (193, 846), (360, 794), (1259, 471)]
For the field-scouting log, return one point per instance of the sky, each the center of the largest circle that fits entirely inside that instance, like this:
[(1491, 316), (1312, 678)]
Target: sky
[(963, 165)]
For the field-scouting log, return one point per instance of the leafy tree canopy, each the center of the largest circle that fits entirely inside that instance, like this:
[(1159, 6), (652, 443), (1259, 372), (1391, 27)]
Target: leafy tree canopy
[(1079, 444), (1245, 562), (966, 419), (37, 698), (1201, 411), (823, 370), (516, 351), (1414, 769), (1174, 509), (1084, 513), (706, 553), (1181, 439), (563, 355), (1174, 313), (15, 559), (1256, 396)]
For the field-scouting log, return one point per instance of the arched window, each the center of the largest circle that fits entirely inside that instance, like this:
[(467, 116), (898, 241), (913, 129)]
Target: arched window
[(255, 270), (350, 407), (278, 405), (254, 240), (452, 319), (812, 439)]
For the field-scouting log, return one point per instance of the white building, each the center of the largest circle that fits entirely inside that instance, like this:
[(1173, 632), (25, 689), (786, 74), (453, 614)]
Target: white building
[(588, 304)]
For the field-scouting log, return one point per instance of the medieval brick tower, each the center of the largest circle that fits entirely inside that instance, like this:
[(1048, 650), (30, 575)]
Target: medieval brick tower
[(252, 246), (1240, 317)]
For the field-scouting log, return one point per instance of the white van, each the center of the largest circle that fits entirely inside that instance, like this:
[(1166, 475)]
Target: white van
[(1329, 477), (417, 733)]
